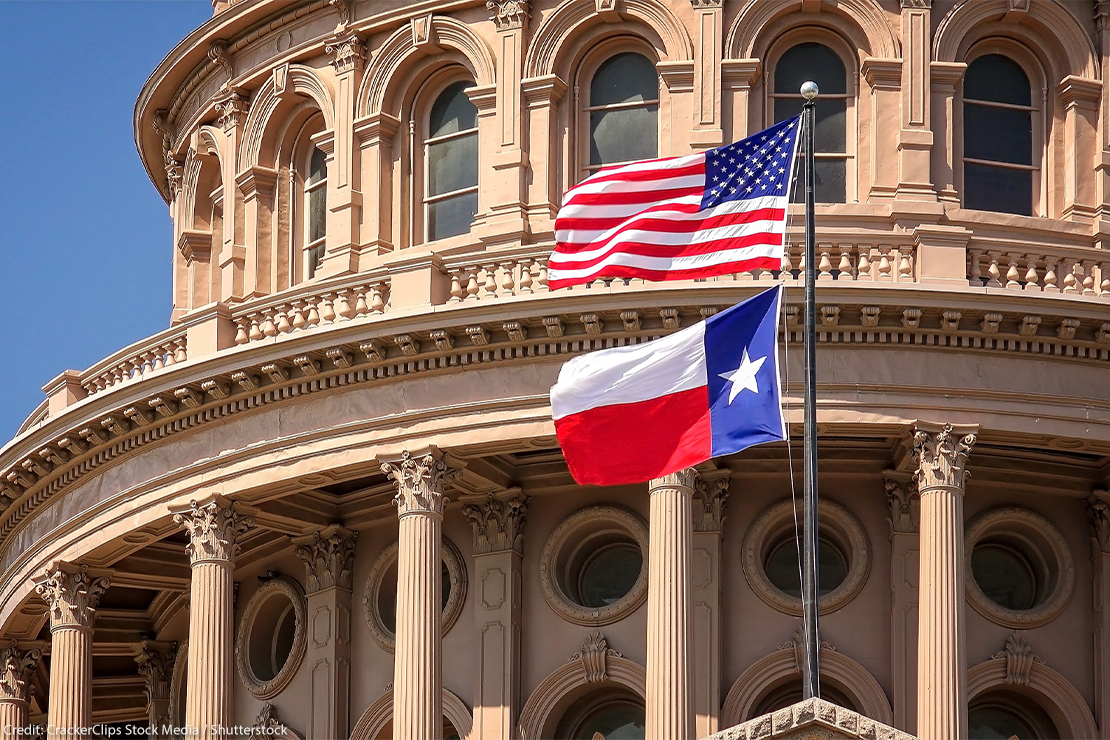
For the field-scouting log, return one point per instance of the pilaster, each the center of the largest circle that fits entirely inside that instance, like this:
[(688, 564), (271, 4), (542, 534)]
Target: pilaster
[(328, 556), (941, 453), (258, 186), (944, 77), (708, 130), (738, 78), (904, 503), (72, 593), (884, 77), (16, 668), (231, 110), (669, 633), (418, 663), (498, 523), (1098, 512), (214, 525), (155, 661), (541, 97), (915, 140), (1080, 99), (710, 497), (374, 136), (1102, 163)]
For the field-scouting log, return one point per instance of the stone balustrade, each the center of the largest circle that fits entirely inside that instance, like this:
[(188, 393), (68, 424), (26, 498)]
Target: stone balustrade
[(1072, 271), (484, 277), (136, 361)]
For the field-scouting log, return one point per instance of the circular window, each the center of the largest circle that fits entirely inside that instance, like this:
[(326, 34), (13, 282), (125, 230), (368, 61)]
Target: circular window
[(1002, 715), (1019, 568), (770, 557), (593, 569), (380, 598), (271, 640), (614, 715)]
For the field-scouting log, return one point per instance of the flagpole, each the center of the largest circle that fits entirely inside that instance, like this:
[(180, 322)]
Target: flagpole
[(811, 685)]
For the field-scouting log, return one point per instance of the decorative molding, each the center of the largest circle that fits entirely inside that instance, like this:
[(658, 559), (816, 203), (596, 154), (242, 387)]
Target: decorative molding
[(421, 483), (329, 557), (509, 14), (380, 713), (156, 667), (231, 108), (348, 54), (686, 478), (540, 715), (267, 724), (498, 522), (217, 52), (941, 454), (812, 718), (710, 500), (594, 656), (213, 525), (1098, 516), (1019, 658), (16, 669), (904, 502), (259, 609), (707, 4), (71, 594), (344, 10)]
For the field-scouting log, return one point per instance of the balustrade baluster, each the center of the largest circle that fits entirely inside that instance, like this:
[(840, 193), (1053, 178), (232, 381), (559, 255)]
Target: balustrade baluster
[(284, 326), (1050, 274), (1104, 283), (526, 276), (489, 286), (993, 271), (181, 347), (456, 288), (1069, 276), (313, 317), (1012, 274), (472, 283), (974, 269), (507, 282), (361, 308), (377, 300), (299, 321), (1032, 278), (542, 277), (824, 264), (343, 306), (844, 268), (241, 331), (1089, 277), (327, 313), (886, 273), (269, 329)]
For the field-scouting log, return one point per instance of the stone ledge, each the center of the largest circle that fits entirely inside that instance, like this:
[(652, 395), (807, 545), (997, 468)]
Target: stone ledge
[(813, 719)]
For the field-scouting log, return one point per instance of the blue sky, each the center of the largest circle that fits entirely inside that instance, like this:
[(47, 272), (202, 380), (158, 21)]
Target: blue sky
[(85, 239)]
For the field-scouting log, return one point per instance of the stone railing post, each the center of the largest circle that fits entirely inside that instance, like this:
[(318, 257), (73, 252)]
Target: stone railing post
[(329, 557), (418, 663), (214, 526), (1098, 510), (498, 521), (155, 661), (16, 668), (671, 534), (72, 593), (941, 453)]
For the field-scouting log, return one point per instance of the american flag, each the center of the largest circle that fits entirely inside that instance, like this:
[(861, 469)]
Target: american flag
[(713, 213)]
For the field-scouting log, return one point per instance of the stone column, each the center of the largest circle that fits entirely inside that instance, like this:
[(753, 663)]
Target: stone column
[(498, 521), (71, 593), (671, 534), (418, 661), (902, 497), (16, 668), (214, 524), (329, 558), (941, 453), (155, 661), (1098, 509), (705, 614)]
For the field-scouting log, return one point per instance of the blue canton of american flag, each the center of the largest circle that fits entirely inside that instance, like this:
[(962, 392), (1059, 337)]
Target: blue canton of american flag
[(712, 213)]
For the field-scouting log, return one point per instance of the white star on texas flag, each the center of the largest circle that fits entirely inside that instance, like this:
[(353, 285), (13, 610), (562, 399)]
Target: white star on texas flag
[(743, 377)]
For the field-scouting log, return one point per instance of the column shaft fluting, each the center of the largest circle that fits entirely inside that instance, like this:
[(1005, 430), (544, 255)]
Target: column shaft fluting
[(671, 533), (70, 702), (16, 668), (942, 656), (208, 704), (13, 715)]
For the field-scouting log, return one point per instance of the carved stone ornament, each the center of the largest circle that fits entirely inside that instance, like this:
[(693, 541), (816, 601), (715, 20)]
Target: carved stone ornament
[(268, 725), (217, 52), (71, 594), (1019, 658), (1098, 515), (917, 4), (593, 656), (498, 523), (348, 54), (343, 10), (904, 502), (707, 4), (942, 457), (273, 596), (420, 483), (797, 644), (16, 668), (710, 499), (231, 109), (328, 557), (213, 528), (508, 14), (156, 667)]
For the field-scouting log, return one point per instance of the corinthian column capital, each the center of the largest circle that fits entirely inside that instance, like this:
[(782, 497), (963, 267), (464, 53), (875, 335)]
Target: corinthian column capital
[(213, 525), (71, 594), (498, 521), (16, 667), (1098, 516), (509, 14), (156, 667), (329, 557), (687, 478), (421, 482), (941, 453)]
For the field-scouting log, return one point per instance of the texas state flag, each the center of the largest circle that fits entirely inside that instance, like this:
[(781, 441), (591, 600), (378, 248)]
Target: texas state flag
[(630, 414)]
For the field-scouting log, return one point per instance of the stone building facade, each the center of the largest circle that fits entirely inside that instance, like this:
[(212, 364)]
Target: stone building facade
[(327, 500)]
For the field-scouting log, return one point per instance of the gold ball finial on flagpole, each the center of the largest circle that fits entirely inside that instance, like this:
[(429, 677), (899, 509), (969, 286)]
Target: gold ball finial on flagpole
[(809, 90)]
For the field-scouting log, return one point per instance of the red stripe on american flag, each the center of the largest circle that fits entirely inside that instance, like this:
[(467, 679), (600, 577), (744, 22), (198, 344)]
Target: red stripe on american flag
[(711, 270), (668, 226)]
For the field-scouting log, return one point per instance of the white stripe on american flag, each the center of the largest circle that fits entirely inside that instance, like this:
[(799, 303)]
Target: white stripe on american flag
[(671, 265)]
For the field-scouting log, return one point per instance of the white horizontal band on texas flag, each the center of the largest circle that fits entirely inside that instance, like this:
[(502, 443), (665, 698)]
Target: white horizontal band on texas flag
[(630, 414), (712, 213)]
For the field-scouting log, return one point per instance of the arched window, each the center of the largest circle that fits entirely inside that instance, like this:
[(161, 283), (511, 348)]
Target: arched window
[(315, 210), (1003, 714), (790, 692), (813, 61), (1000, 171), (614, 714), (451, 164), (623, 112)]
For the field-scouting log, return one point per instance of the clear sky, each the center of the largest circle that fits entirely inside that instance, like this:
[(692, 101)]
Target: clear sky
[(85, 239)]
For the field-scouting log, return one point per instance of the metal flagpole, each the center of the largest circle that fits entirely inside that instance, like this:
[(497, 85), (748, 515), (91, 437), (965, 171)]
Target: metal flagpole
[(811, 685)]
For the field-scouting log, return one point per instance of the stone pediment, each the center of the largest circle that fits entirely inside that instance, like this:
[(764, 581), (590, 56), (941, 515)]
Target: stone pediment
[(811, 719)]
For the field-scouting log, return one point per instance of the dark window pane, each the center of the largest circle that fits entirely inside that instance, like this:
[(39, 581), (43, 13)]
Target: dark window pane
[(810, 61), (624, 78), (317, 167), (782, 567), (998, 134), (317, 213), (315, 257), (453, 164), (608, 575), (787, 108), (828, 131), (998, 79), (1004, 576), (617, 721), (623, 134), (451, 216), (829, 181), (452, 111), (989, 188)]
